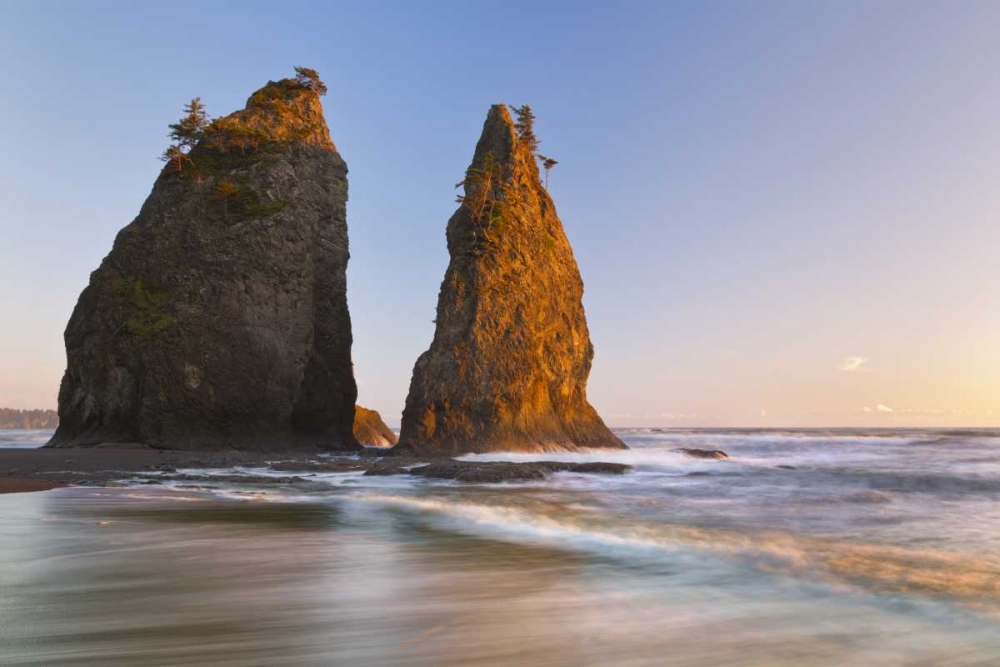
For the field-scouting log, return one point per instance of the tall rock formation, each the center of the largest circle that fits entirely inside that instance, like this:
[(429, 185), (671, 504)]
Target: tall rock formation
[(219, 319), (508, 366)]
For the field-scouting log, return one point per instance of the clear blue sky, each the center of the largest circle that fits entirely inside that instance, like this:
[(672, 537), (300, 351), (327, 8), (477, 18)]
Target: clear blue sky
[(755, 191)]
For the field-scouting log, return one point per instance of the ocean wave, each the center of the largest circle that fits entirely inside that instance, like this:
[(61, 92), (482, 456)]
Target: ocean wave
[(649, 457), (970, 579)]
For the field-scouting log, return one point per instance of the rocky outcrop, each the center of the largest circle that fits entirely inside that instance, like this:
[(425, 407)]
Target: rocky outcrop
[(489, 472), (369, 429), (219, 319), (704, 453), (495, 472), (508, 366)]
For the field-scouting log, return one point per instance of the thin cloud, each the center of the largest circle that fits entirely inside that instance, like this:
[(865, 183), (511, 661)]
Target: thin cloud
[(883, 408), (853, 365)]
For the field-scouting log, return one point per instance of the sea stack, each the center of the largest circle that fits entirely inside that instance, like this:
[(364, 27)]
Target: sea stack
[(219, 319), (507, 369)]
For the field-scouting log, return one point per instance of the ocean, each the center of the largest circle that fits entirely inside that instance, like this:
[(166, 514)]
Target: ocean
[(806, 547)]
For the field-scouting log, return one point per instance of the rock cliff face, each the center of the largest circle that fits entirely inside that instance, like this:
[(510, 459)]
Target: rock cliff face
[(219, 319), (369, 429), (508, 366)]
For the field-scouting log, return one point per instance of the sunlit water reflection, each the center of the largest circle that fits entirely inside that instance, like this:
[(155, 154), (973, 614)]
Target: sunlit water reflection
[(877, 549)]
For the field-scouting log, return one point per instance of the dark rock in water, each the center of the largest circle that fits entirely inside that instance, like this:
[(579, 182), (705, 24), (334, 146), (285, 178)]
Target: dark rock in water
[(384, 470), (599, 468), (704, 453), (508, 366), (498, 471), (370, 430), (374, 452), (233, 479), (786, 467), (317, 466), (219, 319)]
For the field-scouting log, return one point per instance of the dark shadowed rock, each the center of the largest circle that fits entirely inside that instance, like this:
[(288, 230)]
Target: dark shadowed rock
[(508, 366), (600, 468), (219, 319), (495, 472), (705, 453), (332, 465), (384, 470), (370, 430)]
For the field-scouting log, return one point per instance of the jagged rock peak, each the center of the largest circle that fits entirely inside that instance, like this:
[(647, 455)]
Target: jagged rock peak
[(285, 111), (508, 366)]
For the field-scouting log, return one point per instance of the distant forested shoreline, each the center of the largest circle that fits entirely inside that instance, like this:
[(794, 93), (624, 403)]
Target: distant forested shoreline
[(11, 418)]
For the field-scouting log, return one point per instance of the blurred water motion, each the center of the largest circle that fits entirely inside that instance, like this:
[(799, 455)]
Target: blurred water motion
[(744, 567)]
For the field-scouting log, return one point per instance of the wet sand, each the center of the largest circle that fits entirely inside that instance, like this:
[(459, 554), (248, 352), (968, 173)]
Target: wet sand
[(21, 485)]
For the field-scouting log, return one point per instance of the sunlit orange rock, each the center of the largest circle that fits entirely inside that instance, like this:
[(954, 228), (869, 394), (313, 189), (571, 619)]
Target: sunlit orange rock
[(508, 366)]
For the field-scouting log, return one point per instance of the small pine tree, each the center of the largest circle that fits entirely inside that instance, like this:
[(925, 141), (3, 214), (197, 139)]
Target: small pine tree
[(547, 164), (226, 190), (484, 193), (309, 79), (175, 156), (189, 130), (186, 133), (525, 126)]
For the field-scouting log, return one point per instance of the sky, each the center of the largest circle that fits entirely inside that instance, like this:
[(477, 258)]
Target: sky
[(785, 213)]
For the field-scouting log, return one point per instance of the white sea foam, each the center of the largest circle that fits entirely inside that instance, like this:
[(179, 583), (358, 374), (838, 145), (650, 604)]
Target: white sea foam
[(973, 579)]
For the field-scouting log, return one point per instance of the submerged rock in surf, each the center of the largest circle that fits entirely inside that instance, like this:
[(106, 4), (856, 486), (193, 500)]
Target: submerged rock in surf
[(704, 453), (495, 472)]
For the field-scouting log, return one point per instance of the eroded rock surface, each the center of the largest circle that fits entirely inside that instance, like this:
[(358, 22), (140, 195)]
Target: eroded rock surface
[(370, 430), (508, 366), (219, 319)]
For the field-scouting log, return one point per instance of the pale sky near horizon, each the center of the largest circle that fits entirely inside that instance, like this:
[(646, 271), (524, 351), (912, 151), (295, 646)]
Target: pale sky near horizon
[(785, 213)]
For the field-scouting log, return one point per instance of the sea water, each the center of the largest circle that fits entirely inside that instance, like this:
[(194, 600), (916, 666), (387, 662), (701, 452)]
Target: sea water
[(807, 547)]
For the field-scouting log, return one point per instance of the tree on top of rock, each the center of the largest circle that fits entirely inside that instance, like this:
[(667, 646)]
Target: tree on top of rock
[(186, 133), (189, 130), (309, 79), (176, 157), (525, 126)]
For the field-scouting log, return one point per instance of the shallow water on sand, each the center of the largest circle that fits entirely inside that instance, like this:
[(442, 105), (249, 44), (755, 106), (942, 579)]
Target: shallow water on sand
[(877, 548)]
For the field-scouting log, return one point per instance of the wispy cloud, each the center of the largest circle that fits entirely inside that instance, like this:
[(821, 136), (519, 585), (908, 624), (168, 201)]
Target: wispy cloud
[(853, 365), (883, 408)]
